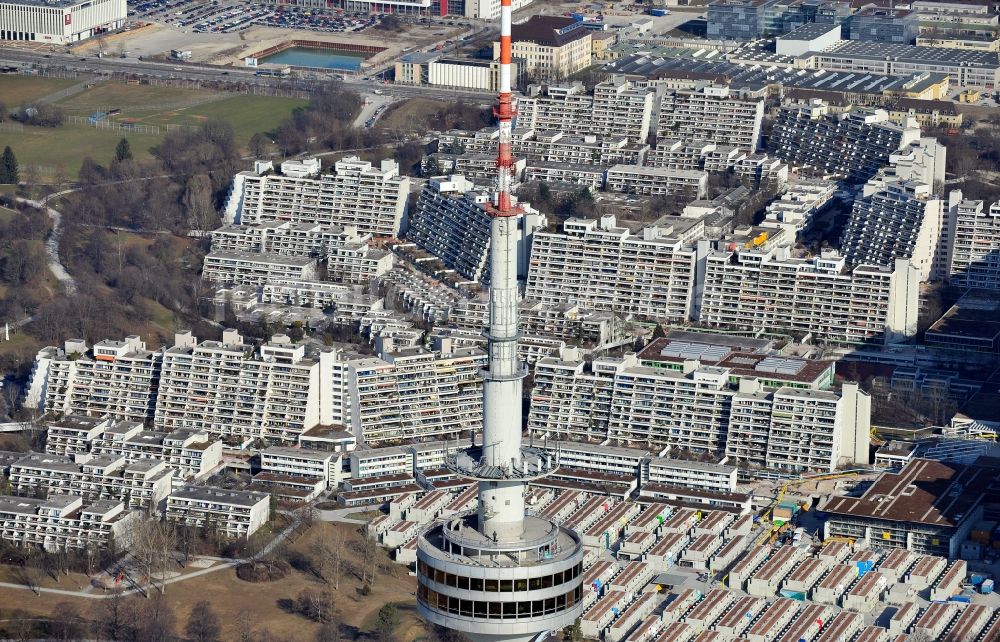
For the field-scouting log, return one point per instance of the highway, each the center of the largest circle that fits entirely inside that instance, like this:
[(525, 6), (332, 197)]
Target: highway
[(178, 70)]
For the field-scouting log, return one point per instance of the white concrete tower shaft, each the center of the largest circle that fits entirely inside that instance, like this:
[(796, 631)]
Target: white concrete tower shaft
[(501, 502)]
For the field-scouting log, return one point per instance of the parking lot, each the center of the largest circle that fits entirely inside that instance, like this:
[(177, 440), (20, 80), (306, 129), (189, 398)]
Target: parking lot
[(229, 17)]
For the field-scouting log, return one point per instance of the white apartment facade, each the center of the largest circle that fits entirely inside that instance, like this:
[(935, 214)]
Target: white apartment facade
[(794, 210), (597, 265), (707, 476), (245, 268), (228, 389), (232, 513), (412, 394), (65, 522), (140, 485), (350, 257), (796, 430), (117, 379), (711, 113), (657, 181), (975, 248), (74, 434), (700, 410), (303, 462), (370, 198), (767, 289)]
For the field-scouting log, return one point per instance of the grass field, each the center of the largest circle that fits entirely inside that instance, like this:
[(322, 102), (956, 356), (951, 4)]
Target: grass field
[(410, 115), (134, 100), (230, 595), (169, 106), (23, 90), (69, 145), (247, 114)]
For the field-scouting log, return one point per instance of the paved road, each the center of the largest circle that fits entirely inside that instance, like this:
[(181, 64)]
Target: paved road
[(196, 72), (341, 515)]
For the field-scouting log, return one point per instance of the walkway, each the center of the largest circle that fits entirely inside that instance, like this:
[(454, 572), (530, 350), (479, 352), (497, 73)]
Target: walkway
[(225, 564), (52, 243)]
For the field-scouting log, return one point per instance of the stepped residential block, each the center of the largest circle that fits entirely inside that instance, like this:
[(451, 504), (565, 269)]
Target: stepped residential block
[(229, 389), (232, 513), (601, 266), (117, 379), (451, 222), (711, 113), (975, 255), (372, 199), (65, 522), (853, 145)]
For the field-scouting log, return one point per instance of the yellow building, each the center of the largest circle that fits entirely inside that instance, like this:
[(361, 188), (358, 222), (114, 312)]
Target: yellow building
[(929, 113), (550, 48), (970, 96), (960, 42), (601, 43)]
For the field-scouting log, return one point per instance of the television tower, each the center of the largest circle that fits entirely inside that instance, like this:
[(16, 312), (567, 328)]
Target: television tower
[(498, 574)]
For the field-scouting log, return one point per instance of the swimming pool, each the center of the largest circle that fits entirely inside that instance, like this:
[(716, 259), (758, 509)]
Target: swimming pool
[(318, 58)]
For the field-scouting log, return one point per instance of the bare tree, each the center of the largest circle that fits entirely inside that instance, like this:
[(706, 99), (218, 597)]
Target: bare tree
[(245, 626), (203, 624), (152, 546), (67, 623)]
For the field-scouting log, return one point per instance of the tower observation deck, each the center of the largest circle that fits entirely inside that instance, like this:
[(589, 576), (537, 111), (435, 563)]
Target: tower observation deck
[(496, 573)]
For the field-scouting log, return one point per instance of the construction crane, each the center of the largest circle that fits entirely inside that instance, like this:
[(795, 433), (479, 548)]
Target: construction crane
[(806, 480)]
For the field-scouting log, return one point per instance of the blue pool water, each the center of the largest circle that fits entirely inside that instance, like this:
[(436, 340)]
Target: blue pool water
[(321, 58)]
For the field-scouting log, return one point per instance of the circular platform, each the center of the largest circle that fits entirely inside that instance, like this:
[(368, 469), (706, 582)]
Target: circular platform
[(506, 590)]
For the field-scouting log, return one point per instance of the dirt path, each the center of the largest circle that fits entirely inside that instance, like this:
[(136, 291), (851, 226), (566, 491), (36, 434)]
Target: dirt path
[(52, 243)]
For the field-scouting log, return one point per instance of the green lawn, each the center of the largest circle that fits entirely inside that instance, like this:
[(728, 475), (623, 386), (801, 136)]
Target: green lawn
[(69, 145), (168, 106), (135, 101), (18, 90), (248, 114)]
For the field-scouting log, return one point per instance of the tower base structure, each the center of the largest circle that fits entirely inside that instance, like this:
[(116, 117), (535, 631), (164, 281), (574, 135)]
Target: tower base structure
[(500, 590)]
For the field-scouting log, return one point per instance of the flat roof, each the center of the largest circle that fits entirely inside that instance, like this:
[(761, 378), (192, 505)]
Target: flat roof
[(925, 491), (810, 31), (222, 495), (908, 53)]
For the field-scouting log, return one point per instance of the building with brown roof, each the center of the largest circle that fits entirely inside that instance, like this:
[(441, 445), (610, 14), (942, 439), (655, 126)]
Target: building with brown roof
[(928, 507), (550, 47)]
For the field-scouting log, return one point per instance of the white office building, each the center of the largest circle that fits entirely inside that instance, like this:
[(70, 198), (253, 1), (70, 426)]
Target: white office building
[(59, 22)]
